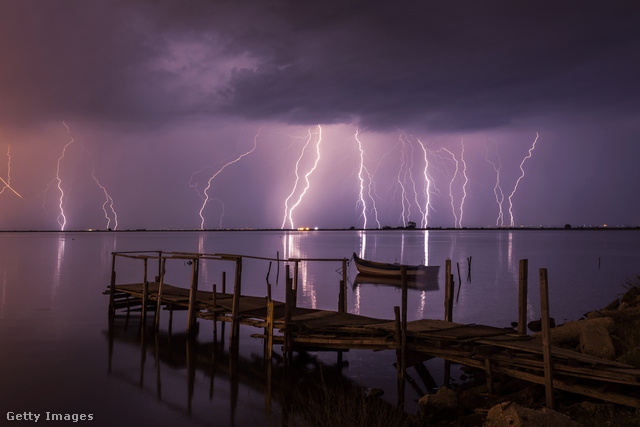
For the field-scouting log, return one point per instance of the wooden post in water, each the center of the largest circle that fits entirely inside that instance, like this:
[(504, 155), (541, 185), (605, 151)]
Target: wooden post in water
[(294, 294), (224, 282), (235, 312), (522, 297), (343, 288), (269, 348), (159, 304), (448, 293), (546, 346), (112, 288), (160, 265), (215, 318), (191, 322), (468, 269), (287, 316), (145, 295)]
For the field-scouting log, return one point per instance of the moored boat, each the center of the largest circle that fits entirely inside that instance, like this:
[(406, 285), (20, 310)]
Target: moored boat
[(374, 268)]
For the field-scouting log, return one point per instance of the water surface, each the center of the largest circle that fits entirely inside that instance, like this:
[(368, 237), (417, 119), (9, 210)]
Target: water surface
[(57, 356)]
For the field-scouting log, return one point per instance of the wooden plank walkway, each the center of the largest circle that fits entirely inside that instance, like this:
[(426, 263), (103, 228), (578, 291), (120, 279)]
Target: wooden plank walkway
[(494, 350)]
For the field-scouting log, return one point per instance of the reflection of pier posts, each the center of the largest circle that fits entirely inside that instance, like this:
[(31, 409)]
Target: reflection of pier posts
[(237, 292), (448, 311), (157, 360), (112, 288), (294, 294)]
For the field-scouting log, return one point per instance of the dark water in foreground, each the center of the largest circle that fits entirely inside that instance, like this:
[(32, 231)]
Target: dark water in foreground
[(56, 354)]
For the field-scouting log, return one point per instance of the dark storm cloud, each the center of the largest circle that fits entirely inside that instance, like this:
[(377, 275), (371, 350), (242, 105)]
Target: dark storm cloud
[(446, 65)]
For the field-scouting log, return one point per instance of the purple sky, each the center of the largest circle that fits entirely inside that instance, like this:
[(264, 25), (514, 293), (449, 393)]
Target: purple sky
[(157, 96)]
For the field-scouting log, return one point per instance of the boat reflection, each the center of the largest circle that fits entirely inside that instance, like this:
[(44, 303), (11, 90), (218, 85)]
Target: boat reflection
[(422, 282)]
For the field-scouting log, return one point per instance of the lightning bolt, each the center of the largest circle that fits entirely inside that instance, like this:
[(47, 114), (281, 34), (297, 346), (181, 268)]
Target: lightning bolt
[(306, 177), (370, 186), (7, 183), (402, 177), (107, 199), (361, 179), (62, 219), (466, 181), (413, 186), (515, 187), (427, 181), (455, 174), (206, 190), (297, 180), (497, 188)]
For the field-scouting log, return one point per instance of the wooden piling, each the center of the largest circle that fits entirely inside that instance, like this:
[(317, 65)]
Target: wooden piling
[(191, 323), (145, 295), (215, 318), (160, 264), (269, 347), (287, 316), (277, 266), (344, 285), (224, 282), (546, 346), (448, 293), (156, 323), (522, 297)]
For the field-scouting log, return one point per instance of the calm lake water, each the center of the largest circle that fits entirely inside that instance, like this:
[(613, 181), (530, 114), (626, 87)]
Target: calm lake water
[(57, 356)]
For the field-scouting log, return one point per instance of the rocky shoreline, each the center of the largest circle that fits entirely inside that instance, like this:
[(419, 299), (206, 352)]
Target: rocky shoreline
[(611, 333)]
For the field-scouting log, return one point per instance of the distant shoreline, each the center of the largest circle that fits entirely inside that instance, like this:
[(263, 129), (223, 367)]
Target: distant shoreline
[(385, 229)]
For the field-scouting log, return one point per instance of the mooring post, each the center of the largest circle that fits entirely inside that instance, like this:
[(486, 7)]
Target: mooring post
[(160, 265), (215, 318), (277, 266), (193, 296), (522, 297), (159, 303), (269, 348), (287, 315), (145, 295), (112, 288), (546, 346), (224, 282), (448, 293), (343, 288), (235, 313)]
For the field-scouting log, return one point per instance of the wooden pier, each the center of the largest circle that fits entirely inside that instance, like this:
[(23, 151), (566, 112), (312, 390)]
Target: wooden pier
[(494, 350)]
